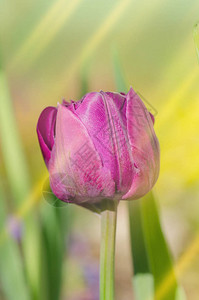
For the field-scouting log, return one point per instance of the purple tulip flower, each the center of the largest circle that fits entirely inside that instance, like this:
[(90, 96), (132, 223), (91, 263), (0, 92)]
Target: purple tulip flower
[(100, 147)]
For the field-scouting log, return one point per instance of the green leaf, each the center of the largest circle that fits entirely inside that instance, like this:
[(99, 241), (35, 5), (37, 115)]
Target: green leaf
[(52, 247), (12, 279), (138, 247), (55, 221), (141, 264), (158, 253)]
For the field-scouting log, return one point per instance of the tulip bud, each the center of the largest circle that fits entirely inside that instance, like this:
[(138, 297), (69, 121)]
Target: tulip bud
[(100, 147)]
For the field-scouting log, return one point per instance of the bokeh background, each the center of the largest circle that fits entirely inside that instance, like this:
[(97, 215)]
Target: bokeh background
[(52, 50)]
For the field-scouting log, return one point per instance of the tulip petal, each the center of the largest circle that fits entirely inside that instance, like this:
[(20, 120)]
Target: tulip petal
[(46, 131), (120, 103), (104, 115), (144, 145), (76, 170)]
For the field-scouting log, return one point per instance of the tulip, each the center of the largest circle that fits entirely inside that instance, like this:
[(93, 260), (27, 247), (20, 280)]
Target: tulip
[(99, 150), (100, 147)]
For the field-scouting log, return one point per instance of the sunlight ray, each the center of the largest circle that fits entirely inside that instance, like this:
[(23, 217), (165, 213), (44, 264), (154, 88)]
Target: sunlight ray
[(95, 40), (44, 32)]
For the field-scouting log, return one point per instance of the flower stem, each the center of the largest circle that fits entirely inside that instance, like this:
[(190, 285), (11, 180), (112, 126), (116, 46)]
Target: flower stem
[(107, 254)]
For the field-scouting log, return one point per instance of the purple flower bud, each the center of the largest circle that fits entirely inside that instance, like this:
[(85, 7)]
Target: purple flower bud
[(103, 146)]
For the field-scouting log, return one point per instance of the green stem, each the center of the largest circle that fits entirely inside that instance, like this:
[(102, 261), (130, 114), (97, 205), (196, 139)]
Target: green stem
[(107, 254)]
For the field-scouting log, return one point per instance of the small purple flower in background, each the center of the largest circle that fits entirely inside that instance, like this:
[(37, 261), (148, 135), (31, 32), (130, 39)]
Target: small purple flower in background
[(100, 147), (14, 227)]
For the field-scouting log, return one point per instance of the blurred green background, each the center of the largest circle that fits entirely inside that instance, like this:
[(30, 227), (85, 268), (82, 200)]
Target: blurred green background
[(46, 48)]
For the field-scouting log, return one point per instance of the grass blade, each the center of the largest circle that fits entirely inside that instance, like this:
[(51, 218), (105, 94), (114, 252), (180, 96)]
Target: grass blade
[(55, 220), (143, 281), (11, 147), (12, 278)]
